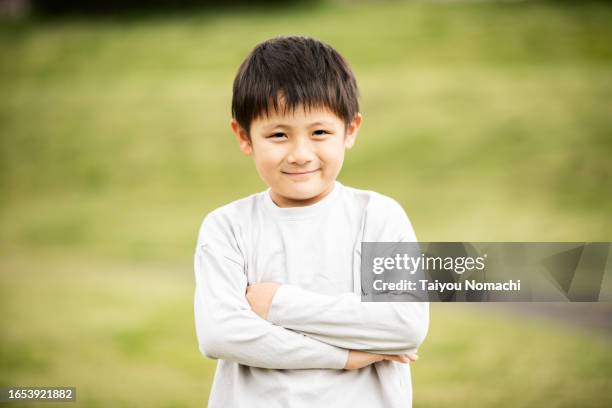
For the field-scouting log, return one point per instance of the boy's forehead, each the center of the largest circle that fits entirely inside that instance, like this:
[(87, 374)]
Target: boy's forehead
[(319, 115)]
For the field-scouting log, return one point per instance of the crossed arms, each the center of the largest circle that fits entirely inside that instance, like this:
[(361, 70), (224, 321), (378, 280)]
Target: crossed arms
[(314, 323), (301, 329)]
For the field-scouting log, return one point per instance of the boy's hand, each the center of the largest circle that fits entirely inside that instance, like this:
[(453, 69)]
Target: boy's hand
[(260, 297), (359, 359)]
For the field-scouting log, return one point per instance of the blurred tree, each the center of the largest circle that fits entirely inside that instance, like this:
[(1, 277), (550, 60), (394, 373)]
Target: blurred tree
[(14, 8)]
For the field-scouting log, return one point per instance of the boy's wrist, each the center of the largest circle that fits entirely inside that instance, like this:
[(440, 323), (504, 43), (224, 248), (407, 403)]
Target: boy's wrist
[(260, 296)]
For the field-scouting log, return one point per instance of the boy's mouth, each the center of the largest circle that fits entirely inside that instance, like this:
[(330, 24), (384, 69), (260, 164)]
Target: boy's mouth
[(300, 174)]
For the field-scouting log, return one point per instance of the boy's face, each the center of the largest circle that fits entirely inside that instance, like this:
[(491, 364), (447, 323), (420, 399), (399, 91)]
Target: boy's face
[(298, 155)]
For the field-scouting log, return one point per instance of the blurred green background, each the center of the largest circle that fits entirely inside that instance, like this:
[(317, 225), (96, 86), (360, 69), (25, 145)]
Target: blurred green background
[(488, 121)]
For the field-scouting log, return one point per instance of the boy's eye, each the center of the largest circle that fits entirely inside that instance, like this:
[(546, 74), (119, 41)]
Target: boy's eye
[(280, 135)]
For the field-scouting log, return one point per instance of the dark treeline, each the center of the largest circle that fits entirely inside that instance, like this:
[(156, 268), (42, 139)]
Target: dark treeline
[(93, 7)]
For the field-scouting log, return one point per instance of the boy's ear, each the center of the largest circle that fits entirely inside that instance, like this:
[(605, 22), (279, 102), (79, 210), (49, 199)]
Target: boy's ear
[(351, 131), (241, 136)]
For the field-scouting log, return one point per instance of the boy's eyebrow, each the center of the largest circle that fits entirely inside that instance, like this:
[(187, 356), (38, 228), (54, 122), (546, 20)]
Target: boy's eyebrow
[(287, 126)]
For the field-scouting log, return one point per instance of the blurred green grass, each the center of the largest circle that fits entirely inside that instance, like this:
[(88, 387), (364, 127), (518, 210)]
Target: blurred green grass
[(487, 121)]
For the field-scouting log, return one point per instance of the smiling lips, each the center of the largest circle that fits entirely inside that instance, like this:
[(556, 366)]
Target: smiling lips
[(300, 174)]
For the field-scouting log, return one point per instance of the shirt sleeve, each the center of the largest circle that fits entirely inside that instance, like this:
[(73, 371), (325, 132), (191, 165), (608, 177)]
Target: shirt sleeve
[(228, 329), (343, 320)]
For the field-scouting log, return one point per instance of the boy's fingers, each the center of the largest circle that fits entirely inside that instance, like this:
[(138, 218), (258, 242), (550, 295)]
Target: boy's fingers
[(412, 357), (406, 358), (402, 358)]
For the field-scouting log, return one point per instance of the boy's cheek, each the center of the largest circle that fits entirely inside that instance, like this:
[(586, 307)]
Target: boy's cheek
[(267, 169), (333, 153)]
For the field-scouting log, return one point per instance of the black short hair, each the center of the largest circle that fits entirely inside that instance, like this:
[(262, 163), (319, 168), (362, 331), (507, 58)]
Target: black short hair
[(300, 71)]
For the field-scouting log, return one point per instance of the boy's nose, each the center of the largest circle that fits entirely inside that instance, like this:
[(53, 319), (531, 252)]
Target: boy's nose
[(301, 153)]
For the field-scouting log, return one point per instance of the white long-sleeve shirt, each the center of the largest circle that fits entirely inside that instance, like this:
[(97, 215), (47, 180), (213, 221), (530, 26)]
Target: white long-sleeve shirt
[(295, 358)]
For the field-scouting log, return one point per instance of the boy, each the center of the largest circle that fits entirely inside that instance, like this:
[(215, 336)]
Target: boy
[(277, 297)]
